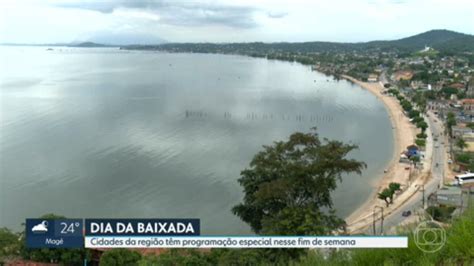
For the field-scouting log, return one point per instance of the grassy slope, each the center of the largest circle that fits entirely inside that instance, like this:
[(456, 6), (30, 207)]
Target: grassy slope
[(458, 250)]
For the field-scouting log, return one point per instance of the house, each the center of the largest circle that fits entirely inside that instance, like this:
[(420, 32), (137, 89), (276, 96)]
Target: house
[(404, 159), (412, 150), (417, 84), (373, 78), (416, 61), (469, 136), (461, 130), (457, 85), (447, 197), (467, 104), (470, 88)]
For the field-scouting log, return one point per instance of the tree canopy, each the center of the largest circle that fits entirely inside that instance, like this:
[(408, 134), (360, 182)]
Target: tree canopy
[(290, 182), (461, 144), (450, 122), (115, 257)]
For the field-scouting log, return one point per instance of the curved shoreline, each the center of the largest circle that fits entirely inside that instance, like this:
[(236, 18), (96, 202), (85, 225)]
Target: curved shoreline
[(404, 135)]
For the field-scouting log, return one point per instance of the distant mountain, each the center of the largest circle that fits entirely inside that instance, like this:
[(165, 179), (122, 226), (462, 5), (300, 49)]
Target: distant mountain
[(72, 44), (89, 44), (442, 40), (124, 38)]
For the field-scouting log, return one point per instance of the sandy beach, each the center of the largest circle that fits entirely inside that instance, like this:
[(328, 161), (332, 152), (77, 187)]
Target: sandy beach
[(404, 135)]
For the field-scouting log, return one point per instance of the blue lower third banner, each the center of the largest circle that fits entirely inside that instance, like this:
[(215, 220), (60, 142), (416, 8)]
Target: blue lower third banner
[(142, 227), (246, 242), (54, 233)]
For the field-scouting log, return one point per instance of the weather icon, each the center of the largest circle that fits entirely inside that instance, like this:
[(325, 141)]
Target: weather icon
[(40, 228)]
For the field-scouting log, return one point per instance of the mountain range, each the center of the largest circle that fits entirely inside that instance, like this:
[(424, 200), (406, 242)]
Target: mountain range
[(441, 40)]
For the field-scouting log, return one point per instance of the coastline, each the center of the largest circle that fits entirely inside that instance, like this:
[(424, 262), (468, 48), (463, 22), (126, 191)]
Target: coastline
[(404, 134)]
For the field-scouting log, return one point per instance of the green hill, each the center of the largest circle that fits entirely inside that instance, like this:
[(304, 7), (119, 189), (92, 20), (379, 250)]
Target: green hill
[(441, 40)]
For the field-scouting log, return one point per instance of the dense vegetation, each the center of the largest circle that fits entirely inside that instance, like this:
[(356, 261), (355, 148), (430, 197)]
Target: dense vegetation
[(458, 250), (442, 40), (289, 183)]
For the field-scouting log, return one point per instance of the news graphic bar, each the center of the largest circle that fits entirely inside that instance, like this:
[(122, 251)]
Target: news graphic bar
[(54, 233), (176, 233), (246, 242), (142, 227)]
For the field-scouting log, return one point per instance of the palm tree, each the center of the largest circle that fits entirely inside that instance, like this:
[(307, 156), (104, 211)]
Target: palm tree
[(394, 187), (385, 195), (461, 144), (415, 159), (450, 122)]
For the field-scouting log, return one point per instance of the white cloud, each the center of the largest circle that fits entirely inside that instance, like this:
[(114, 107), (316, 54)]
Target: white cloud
[(224, 21)]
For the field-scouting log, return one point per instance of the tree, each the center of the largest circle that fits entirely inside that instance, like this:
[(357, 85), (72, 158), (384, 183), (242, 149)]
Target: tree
[(450, 122), (421, 135), (287, 189), (422, 125), (116, 257), (461, 144), (407, 106), (9, 244), (394, 187), (470, 125), (413, 113), (415, 159), (420, 142), (420, 100), (418, 119), (385, 195)]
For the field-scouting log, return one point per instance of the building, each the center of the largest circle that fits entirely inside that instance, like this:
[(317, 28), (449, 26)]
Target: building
[(467, 104), (404, 159), (447, 197), (470, 88), (373, 78), (412, 150), (460, 131), (427, 49), (457, 85)]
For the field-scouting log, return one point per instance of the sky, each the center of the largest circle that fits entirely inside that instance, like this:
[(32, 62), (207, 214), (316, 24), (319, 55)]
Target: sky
[(153, 21)]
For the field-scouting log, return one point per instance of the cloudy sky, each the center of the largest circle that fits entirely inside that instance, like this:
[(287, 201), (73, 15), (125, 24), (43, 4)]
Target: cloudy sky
[(151, 21)]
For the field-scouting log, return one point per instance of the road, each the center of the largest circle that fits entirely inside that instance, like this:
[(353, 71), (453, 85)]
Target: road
[(436, 180)]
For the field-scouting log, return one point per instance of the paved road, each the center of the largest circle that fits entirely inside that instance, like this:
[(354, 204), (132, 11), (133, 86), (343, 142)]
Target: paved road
[(436, 181)]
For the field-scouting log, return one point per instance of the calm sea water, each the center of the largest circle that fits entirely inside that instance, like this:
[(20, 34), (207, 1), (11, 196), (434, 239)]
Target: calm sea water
[(112, 133)]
